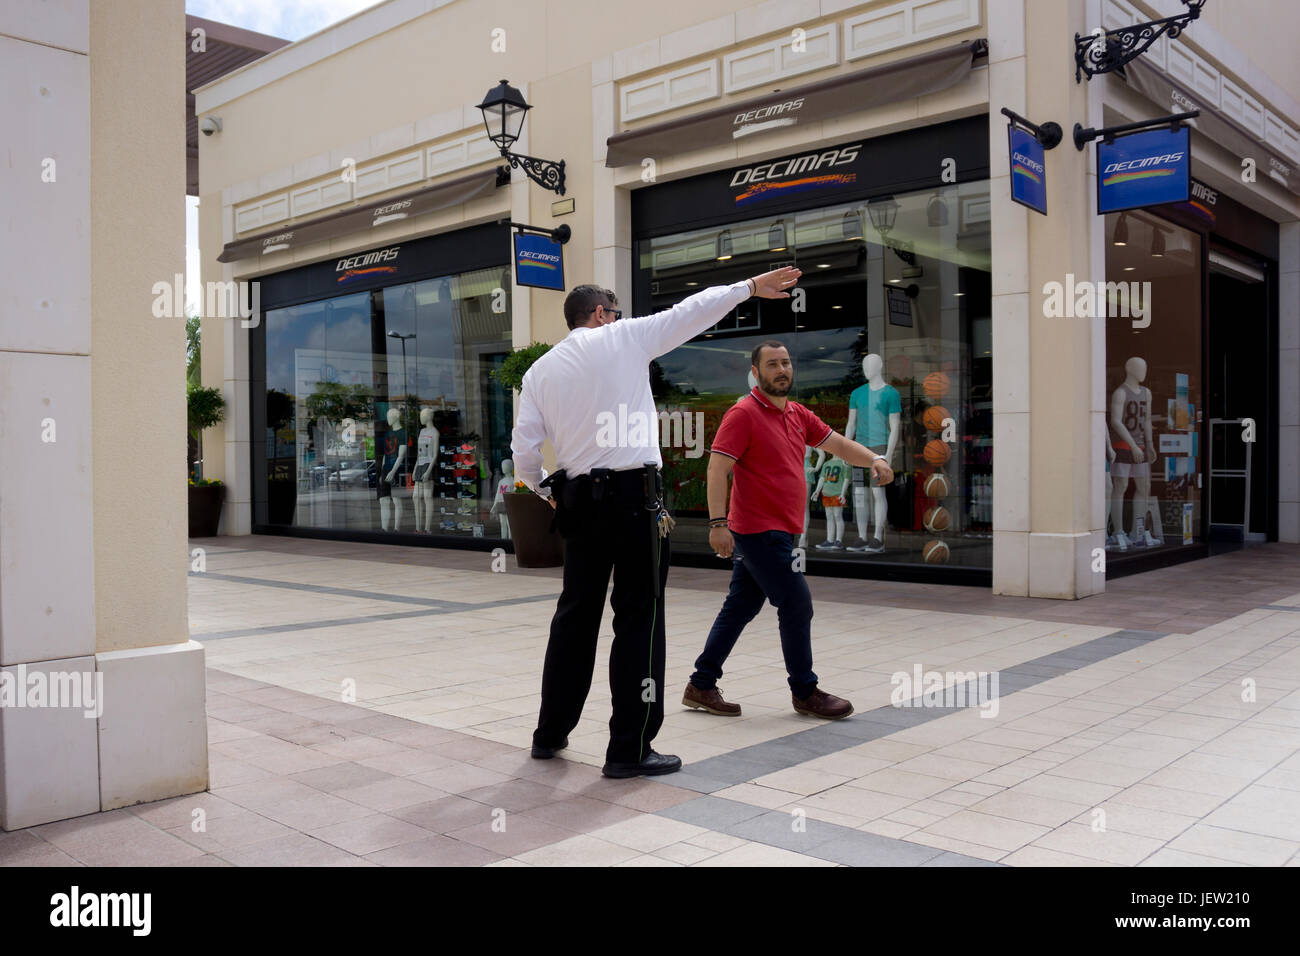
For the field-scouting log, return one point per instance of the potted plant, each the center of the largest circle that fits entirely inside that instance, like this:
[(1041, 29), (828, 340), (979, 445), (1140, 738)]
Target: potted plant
[(205, 407), (537, 545)]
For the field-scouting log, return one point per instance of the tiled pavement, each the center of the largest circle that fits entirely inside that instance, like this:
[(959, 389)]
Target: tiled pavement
[(1120, 736)]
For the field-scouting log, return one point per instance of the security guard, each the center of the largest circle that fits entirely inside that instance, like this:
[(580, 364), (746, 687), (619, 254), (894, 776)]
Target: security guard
[(608, 500)]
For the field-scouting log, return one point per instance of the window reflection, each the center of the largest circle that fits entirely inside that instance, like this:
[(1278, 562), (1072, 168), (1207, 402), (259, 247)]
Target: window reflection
[(896, 290), (364, 389)]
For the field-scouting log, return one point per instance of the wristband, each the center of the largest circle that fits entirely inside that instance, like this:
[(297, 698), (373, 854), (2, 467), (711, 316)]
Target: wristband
[(753, 286)]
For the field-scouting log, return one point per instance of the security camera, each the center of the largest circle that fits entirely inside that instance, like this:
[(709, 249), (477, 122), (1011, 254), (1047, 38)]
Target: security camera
[(210, 125)]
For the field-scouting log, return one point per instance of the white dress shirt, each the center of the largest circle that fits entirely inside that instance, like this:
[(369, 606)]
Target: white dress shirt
[(594, 385)]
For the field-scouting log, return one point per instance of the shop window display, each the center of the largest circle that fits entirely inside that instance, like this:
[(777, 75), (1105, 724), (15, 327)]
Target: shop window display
[(1155, 408), (891, 346), (380, 412)]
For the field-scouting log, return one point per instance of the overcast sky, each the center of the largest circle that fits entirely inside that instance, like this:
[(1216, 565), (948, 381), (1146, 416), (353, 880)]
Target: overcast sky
[(287, 19)]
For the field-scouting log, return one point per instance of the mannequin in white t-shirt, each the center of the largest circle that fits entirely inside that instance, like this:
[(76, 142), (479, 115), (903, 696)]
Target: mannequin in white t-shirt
[(426, 450)]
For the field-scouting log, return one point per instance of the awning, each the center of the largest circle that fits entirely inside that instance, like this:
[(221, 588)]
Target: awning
[(848, 93), (362, 218), (1217, 127)]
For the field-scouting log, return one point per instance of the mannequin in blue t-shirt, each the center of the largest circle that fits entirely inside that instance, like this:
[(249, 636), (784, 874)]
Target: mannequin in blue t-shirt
[(875, 411)]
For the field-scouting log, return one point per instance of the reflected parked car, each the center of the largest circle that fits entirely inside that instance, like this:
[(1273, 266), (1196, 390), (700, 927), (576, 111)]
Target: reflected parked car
[(357, 474)]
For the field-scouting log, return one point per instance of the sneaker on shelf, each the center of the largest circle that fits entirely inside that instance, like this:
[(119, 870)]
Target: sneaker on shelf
[(1151, 542), (1121, 542), (859, 545), (835, 546), (875, 546), (1110, 542), (826, 545)]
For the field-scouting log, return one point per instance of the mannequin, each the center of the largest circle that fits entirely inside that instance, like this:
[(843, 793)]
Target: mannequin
[(392, 448), (809, 479), (831, 485), (875, 414), (752, 382), (1135, 451), (1110, 462), (425, 449), (504, 487)]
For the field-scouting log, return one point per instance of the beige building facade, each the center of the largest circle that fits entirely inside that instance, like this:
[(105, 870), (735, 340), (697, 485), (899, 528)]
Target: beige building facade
[(352, 185)]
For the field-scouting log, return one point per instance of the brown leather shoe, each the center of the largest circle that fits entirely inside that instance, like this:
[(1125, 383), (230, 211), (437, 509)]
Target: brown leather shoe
[(822, 704), (709, 700)]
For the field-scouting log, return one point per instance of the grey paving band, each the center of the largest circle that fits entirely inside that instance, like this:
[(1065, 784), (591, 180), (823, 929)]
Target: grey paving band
[(748, 763), (431, 608), (1280, 607), (825, 841), (341, 592)]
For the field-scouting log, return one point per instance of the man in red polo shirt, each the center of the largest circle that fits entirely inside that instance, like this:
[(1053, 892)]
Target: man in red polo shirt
[(760, 444)]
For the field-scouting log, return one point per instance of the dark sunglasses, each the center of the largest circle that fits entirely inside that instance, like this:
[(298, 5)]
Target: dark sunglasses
[(617, 313)]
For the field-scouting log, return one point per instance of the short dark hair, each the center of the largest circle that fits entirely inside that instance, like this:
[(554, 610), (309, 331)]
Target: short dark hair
[(758, 350), (582, 301)]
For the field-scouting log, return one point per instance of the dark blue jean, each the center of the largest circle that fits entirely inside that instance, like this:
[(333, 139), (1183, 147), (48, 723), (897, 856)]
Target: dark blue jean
[(763, 567)]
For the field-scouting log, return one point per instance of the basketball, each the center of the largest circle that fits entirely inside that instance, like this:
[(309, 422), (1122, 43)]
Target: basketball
[(937, 519), (935, 385), (936, 486), (934, 417), (935, 552), (936, 452)]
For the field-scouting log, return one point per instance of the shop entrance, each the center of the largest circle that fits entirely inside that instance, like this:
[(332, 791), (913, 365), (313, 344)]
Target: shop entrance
[(1239, 406)]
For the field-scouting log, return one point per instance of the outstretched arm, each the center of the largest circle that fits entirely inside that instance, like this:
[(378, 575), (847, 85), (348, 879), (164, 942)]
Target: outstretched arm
[(664, 331)]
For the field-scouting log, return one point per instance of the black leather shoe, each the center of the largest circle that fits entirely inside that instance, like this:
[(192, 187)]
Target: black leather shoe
[(546, 753), (652, 766)]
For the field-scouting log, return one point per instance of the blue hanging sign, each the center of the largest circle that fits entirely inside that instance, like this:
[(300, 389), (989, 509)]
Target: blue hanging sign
[(1149, 168), (1028, 169), (539, 261)]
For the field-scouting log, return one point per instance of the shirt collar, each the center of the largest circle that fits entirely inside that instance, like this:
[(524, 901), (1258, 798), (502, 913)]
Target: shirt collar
[(766, 402)]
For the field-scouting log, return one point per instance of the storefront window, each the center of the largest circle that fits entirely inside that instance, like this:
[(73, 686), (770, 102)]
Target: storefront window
[(1154, 401), (890, 339), (380, 412)]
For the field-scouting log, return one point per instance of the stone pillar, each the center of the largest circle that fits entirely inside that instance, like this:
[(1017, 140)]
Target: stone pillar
[(92, 418), (1048, 373)]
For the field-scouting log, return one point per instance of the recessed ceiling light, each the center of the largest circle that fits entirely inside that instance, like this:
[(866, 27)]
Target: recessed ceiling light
[(1129, 268), (723, 258), (958, 295), (895, 280), (823, 265), (837, 307), (692, 283)]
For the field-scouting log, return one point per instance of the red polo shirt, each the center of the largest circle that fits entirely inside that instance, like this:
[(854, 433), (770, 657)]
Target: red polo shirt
[(768, 486)]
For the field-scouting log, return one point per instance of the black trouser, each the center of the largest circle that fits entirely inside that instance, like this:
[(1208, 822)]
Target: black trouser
[(612, 534)]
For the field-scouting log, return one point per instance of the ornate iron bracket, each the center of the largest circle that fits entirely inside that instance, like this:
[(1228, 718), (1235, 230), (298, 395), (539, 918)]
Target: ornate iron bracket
[(1098, 52), (545, 173)]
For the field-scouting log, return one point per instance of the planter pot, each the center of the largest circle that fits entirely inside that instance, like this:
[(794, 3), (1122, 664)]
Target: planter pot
[(205, 509), (536, 545)]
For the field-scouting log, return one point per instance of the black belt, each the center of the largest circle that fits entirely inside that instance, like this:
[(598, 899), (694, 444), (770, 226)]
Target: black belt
[(597, 485)]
